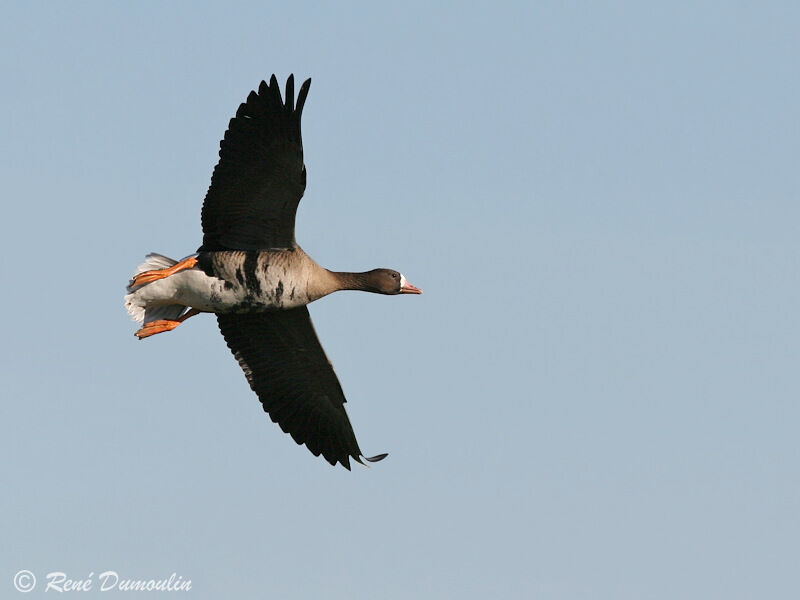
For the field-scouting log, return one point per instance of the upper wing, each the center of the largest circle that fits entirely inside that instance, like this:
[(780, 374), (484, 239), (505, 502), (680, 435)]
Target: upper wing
[(289, 371), (260, 177)]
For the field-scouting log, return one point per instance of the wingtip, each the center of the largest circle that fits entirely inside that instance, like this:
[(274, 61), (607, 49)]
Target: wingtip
[(370, 459), (290, 93), (301, 96)]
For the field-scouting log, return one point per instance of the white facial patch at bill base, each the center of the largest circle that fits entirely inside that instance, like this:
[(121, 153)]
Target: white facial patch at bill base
[(403, 281)]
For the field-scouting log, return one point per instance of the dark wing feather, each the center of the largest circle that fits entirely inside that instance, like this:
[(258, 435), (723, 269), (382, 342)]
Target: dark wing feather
[(289, 371), (260, 178)]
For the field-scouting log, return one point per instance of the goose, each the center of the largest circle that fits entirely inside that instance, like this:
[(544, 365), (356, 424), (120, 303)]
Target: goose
[(251, 273)]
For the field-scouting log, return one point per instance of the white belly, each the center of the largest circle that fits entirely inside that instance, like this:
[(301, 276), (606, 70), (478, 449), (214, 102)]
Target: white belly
[(195, 289)]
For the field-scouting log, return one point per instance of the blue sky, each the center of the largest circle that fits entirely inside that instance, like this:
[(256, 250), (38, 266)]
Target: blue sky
[(596, 397)]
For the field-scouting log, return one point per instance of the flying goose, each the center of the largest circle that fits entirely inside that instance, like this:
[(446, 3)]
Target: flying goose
[(251, 273)]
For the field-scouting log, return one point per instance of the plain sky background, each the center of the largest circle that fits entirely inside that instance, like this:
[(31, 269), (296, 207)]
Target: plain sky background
[(597, 395)]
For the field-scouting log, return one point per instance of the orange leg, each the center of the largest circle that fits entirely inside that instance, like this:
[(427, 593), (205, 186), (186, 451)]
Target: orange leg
[(162, 325), (150, 276)]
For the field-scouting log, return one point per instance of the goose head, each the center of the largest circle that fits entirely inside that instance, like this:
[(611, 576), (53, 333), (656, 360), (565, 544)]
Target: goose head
[(390, 282)]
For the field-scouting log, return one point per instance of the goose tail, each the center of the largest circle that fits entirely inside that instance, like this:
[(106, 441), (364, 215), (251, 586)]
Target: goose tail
[(138, 306)]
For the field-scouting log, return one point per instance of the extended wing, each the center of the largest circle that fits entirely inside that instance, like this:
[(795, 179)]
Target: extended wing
[(260, 178), (289, 371)]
